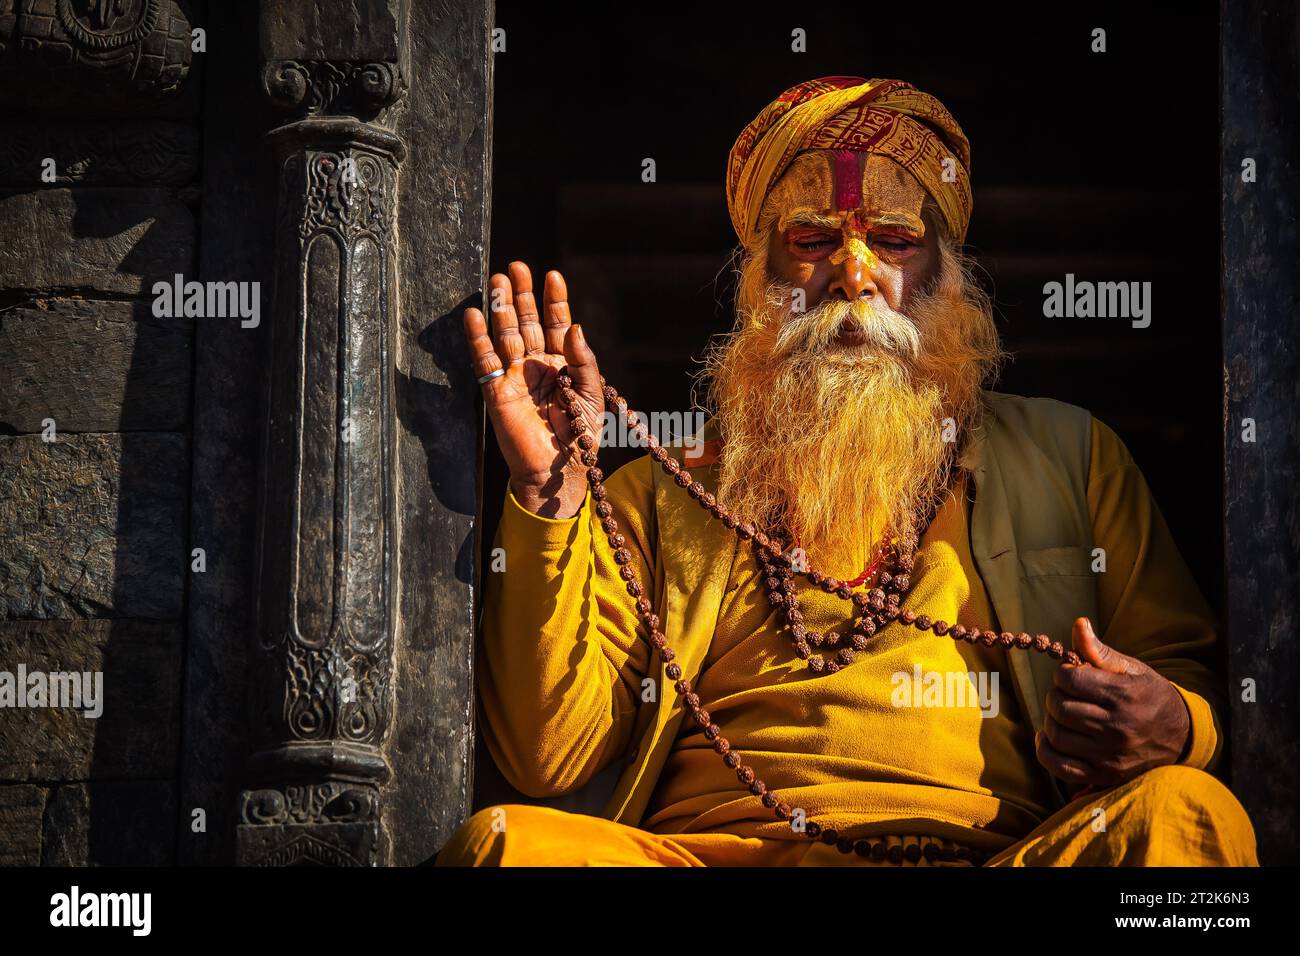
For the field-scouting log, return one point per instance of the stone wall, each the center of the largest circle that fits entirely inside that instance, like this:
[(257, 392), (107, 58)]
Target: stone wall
[(95, 419), (174, 491)]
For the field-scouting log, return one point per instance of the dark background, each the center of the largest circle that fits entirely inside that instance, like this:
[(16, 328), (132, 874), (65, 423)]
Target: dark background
[(1101, 164)]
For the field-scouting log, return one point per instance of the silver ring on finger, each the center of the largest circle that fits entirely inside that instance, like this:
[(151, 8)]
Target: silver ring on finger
[(491, 375)]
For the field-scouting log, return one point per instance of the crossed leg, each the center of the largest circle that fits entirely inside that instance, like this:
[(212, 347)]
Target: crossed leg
[(1169, 816), (522, 835)]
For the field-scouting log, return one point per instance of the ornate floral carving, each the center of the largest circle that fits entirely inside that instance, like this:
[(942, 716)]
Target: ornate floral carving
[(332, 86), (333, 802), (350, 193), (264, 806), (336, 693)]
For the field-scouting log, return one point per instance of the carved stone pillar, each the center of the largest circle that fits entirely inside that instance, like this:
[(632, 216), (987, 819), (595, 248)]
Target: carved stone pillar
[(323, 641)]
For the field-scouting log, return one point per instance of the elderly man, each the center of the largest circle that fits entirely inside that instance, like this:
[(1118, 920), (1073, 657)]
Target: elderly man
[(866, 522)]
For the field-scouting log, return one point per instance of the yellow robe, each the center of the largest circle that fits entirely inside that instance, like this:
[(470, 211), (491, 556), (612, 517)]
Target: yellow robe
[(840, 747)]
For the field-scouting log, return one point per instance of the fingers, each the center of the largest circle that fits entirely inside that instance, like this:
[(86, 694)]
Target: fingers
[(1089, 646), (582, 364), (1074, 744), (1090, 684), (530, 329), (505, 323), (482, 355), (1080, 715), (556, 321), (1061, 766)]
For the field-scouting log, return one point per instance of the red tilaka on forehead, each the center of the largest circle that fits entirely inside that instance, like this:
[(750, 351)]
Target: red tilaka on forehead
[(846, 173)]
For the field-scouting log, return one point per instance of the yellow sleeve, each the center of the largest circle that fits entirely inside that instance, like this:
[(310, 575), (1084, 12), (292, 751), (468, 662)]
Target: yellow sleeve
[(1150, 606), (563, 656)]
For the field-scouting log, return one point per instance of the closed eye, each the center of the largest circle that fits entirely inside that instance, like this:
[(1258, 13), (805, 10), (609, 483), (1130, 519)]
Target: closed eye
[(807, 239)]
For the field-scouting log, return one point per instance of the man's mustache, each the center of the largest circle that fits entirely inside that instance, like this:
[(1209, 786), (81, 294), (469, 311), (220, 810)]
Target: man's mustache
[(815, 330)]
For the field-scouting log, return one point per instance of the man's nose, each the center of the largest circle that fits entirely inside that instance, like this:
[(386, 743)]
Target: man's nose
[(853, 277)]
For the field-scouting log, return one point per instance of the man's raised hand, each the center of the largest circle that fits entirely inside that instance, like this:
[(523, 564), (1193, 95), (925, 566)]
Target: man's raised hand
[(535, 436)]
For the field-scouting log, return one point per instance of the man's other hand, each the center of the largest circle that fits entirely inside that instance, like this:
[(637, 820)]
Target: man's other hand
[(1107, 723)]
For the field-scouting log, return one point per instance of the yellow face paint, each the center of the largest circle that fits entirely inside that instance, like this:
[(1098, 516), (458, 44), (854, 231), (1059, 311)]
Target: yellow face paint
[(806, 195), (801, 193), (855, 248)]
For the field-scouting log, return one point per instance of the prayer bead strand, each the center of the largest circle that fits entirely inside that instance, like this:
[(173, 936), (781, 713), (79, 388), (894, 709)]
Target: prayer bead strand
[(878, 606)]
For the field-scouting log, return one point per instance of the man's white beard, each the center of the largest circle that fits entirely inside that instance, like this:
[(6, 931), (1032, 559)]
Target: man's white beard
[(843, 446), (812, 333)]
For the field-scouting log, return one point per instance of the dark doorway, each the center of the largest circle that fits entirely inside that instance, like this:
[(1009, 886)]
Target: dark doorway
[(1099, 164)]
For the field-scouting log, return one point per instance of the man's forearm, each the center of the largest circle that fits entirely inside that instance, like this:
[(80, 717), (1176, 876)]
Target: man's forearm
[(553, 696)]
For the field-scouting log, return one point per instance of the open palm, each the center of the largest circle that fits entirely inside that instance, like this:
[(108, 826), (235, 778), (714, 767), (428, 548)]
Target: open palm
[(532, 429)]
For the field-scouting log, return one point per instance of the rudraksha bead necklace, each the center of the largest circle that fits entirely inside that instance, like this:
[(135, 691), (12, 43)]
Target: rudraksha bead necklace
[(878, 606)]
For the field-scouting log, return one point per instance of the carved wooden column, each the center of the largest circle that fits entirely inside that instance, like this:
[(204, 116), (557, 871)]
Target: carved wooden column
[(323, 624)]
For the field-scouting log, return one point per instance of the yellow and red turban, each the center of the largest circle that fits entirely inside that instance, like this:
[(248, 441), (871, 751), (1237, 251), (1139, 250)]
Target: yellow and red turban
[(888, 117)]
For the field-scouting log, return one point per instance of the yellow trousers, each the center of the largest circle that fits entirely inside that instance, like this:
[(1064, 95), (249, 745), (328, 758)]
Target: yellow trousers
[(1169, 816)]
